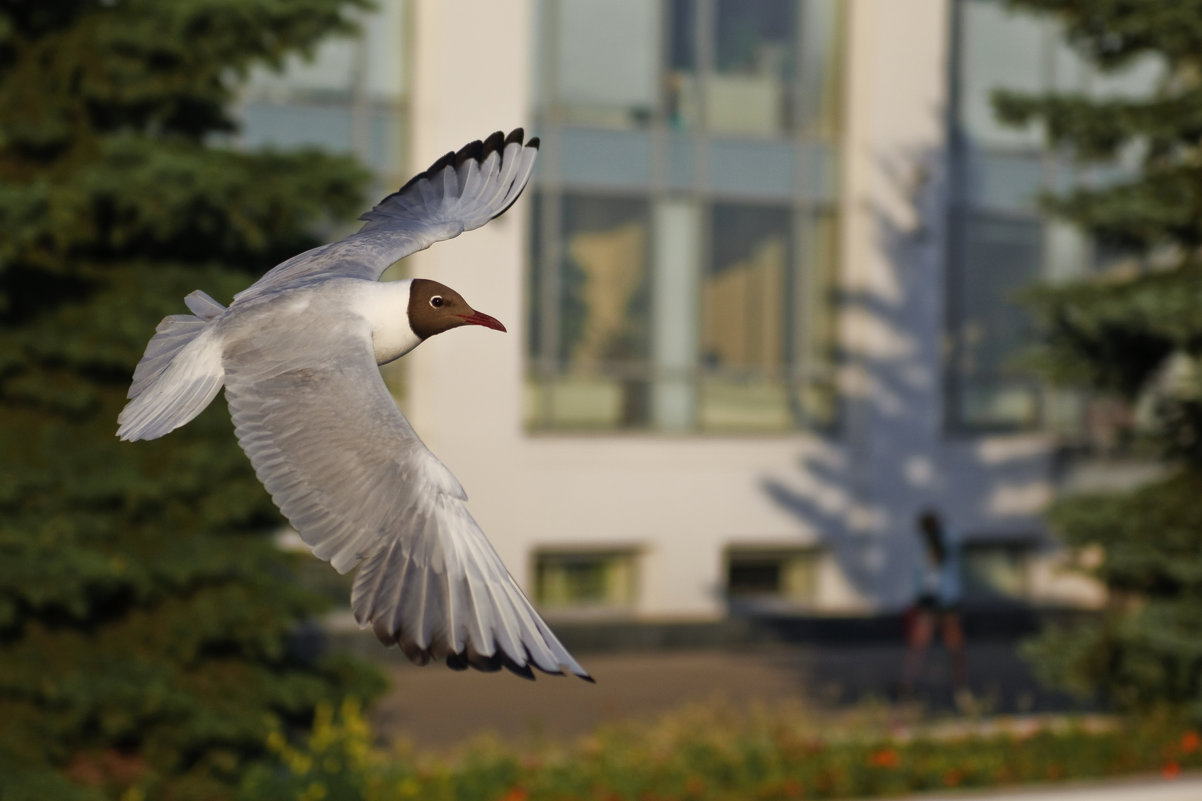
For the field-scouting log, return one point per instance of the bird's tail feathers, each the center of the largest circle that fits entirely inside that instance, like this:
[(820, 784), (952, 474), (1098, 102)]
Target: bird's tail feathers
[(179, 374)]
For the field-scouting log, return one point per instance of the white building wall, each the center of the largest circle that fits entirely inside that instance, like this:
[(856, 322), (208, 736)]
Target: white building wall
[(684, 499)]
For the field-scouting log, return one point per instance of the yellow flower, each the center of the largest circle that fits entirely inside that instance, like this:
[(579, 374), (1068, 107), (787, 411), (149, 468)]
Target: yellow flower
[(314, 792)]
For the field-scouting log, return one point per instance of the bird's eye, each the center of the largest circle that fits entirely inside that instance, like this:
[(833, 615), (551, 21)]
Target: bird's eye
[(436, 301)]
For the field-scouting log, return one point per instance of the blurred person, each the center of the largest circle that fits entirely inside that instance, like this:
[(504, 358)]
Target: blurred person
[(936, 603)]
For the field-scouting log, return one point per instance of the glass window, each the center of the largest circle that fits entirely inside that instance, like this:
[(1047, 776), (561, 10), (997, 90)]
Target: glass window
[(608, 61), (348, 96), (999, 48), (585, 580), (999, 241), (693, 173), (682, 94), (750, 90), (818, 348), (821, 68), (677, 316), (766, 578), (997, 571), (746, 319), (991, 325), (593, 344), (747, 67)]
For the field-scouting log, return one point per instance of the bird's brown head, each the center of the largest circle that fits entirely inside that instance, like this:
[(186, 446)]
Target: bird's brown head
[(434, 308)]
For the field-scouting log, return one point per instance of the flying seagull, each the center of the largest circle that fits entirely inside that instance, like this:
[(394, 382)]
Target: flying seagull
[(298, 354)]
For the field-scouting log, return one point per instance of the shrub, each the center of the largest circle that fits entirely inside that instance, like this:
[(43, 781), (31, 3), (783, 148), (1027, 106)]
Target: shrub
[(714, 753)]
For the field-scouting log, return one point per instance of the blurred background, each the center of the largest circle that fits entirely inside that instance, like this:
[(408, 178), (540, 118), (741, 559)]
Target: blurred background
[(788, 273)]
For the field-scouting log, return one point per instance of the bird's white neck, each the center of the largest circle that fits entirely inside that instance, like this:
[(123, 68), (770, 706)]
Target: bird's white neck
[(386, 306)]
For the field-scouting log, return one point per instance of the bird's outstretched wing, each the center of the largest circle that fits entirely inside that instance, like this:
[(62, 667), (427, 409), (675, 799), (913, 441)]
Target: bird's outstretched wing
[(347, 469), (459, 192)]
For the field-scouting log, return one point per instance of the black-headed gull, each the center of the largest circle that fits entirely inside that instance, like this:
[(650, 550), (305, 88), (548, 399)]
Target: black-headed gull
[(298, 354)]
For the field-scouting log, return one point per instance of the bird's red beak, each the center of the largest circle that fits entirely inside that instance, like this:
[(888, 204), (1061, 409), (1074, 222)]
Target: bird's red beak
[(480, 318)]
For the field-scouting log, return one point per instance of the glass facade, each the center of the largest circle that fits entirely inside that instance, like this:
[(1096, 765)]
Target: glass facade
[(351, 96), (998, 241), (683, 257)]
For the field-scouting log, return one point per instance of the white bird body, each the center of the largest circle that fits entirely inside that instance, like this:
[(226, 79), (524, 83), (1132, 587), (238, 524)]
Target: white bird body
[(297, 353)]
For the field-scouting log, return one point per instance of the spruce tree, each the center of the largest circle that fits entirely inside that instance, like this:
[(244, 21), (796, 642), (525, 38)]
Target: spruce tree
[(1134, 334), (147, 623)]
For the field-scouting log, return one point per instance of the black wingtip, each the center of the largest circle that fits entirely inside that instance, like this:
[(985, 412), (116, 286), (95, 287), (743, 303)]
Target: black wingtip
[(469, 658), (519, 670), (494, 142), (473, 151), (476, 150)]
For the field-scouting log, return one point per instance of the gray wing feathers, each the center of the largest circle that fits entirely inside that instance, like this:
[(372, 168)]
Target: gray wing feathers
[(347, 469), (459, 192), (179, 374), (464, 189)]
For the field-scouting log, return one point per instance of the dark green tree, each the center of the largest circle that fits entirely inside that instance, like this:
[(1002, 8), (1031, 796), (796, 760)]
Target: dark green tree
[(147, 623), (1134, 334)]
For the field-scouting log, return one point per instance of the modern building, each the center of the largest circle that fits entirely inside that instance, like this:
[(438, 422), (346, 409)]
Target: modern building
[(760, 294)]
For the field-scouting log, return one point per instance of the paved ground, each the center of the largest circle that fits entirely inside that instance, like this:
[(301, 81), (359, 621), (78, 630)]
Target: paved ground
[(438, 708), (1181, 789)]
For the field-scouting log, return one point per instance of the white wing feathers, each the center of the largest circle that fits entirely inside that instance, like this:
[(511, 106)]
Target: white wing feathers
[(178, 375), (459, 192), (343, 464)]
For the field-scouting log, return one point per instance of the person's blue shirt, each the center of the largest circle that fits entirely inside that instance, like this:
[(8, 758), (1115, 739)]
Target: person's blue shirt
[(940, 581)]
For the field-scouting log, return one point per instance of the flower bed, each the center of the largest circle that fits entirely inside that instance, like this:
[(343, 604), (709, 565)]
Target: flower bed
[(715, 753)]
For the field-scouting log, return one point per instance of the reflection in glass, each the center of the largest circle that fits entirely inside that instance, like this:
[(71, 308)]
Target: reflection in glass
[(998, 172), (594, 357), (990, 327), (819, 239), (1000, 48), (681, 95), (821, 109), (746, 309), (608, 61), (348, 96), (748, 67), (679, 317), (754, 67)]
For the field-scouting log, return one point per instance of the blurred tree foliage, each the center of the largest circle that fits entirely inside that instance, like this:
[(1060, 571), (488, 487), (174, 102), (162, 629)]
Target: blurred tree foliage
[(1134, 333), (146, 621)]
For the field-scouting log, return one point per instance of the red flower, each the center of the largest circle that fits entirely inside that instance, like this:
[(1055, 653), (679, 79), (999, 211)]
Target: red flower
[(1171, 770), (516, 793), (953, 777), (1190, 742), (884, 758)]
